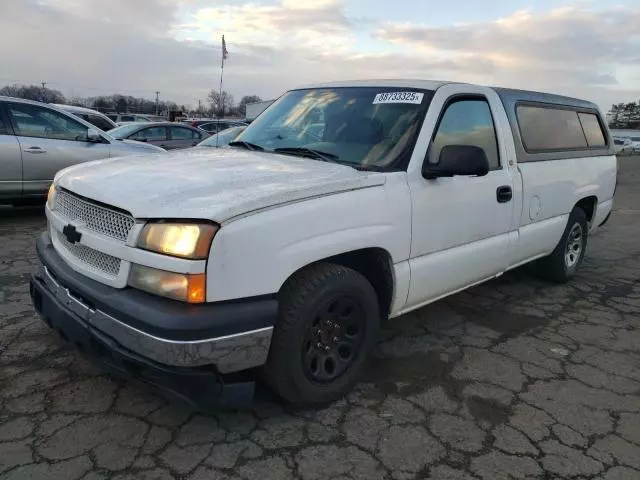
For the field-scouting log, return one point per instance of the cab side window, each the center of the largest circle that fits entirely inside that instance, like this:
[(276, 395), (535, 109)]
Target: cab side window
[(467, 122), (35, 121)]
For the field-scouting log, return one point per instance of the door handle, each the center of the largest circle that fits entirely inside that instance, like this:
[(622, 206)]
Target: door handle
[(34, 150), (504, 194)]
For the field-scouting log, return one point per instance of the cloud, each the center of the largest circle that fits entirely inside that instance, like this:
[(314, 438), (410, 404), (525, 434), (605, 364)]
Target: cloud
[(92, 47), (565, 46), (151, 16), (320, 25)]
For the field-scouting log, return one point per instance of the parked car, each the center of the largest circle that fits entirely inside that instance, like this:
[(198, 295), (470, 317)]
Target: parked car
[(222, 139), (124, 118), (287, 252), (623, 146), (194, 122), (635, 141), (220, 125), (166, 135), (37, 140), (211, 125), (94, 117)]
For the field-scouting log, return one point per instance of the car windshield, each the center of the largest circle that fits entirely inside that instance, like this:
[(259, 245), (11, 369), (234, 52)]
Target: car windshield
[(359, 126), (635, 139), (222, 138), (124, 131)]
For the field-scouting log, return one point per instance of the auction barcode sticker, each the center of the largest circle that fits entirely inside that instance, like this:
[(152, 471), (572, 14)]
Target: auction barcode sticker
[(399, 97)]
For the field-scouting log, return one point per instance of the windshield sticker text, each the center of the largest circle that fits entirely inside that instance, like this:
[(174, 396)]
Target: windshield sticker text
[(398, 97)]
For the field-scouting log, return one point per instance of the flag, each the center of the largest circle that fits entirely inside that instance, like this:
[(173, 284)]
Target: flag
[(225, 52)]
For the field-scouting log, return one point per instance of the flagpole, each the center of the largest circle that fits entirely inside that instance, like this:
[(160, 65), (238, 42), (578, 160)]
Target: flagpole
[(221, 99)]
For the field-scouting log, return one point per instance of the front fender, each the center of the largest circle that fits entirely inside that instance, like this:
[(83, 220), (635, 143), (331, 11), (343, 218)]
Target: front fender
[(255, 255)]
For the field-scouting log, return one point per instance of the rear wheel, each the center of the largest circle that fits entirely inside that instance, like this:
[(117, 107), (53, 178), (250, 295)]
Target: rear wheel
[(327, 326), (564, 261)]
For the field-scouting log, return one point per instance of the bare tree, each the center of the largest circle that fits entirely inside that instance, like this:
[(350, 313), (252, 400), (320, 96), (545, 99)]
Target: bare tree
[(220, 104)]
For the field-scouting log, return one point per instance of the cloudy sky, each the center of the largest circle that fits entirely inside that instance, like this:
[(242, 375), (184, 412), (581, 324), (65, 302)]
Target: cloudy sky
[(588, 49)]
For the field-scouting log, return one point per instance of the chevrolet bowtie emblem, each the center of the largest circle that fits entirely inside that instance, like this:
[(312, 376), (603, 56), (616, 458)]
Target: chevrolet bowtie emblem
[(71, 234)]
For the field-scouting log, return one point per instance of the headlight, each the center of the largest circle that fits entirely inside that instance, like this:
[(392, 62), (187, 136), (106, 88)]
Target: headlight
[(51, 194), (179, 286), (188, 240)]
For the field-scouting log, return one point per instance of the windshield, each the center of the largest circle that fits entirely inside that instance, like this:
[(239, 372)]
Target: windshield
[(124, 131), (222, 138), (635, 139), (356, 126)]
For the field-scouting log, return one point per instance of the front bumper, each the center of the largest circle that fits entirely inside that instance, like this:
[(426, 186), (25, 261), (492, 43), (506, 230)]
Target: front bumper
[(186, 351)]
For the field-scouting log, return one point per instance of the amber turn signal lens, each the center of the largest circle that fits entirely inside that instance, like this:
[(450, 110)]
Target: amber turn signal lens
[(191, 288), (197, 288)]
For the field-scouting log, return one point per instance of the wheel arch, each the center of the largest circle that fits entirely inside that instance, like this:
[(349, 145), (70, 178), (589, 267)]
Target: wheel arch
[(373, 263), (588, 205)]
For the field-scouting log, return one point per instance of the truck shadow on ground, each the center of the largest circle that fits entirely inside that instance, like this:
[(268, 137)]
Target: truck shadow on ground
[(419, 350)]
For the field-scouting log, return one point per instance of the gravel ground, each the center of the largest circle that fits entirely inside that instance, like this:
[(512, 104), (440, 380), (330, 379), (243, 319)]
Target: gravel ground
[(516, 378)]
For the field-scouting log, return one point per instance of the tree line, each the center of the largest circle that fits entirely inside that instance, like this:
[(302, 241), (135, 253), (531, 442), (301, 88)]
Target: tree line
[(624, 115), (217, 104)]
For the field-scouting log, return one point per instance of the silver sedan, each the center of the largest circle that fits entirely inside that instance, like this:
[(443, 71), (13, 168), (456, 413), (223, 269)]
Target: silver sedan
[(167, 135), (37, 140)]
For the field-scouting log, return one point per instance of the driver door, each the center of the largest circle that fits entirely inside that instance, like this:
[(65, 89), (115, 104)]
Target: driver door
[(461, 225), (49, 141)]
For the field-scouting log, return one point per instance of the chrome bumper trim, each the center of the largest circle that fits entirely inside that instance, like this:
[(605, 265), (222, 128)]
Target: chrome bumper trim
[(230, 353)]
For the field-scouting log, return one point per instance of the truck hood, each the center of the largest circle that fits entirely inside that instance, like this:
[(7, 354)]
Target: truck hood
[(213, 184)]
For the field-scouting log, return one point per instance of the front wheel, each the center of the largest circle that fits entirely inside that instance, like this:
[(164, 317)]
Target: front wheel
[(327, 326), (564, 261)]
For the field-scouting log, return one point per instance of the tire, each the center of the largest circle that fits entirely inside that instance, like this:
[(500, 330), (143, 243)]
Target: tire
[(328, 313), (564, 261)]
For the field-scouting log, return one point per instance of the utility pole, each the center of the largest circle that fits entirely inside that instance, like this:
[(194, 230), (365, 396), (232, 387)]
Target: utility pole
[(199, 107), (157, 93), (44, 84)]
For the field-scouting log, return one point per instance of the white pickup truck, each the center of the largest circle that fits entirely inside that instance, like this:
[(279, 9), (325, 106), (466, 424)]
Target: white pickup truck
[(342, 206)]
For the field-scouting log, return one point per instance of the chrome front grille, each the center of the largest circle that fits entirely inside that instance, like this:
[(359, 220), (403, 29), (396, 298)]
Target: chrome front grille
[(93, 259), (109, 222)]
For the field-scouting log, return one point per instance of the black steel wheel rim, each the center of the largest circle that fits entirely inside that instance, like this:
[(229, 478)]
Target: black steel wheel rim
[(333, 339)]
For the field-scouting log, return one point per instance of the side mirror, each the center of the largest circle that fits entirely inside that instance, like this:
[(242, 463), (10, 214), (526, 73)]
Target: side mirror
[(93, 136), (463, 160)]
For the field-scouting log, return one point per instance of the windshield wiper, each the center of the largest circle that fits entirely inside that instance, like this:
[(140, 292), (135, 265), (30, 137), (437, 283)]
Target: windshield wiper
[(310, 153), (371, 168), (247, 145)]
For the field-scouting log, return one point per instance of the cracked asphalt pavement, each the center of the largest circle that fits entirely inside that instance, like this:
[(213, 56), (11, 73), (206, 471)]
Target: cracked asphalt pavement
[(516, 378)]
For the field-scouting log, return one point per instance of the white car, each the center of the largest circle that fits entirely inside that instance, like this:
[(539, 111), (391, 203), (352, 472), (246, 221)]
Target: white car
[(635, 141), (126, 118), (623, 146), (286, 251)]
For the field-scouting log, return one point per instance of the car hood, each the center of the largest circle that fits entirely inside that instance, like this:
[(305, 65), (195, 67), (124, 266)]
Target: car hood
[(213, 184)]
